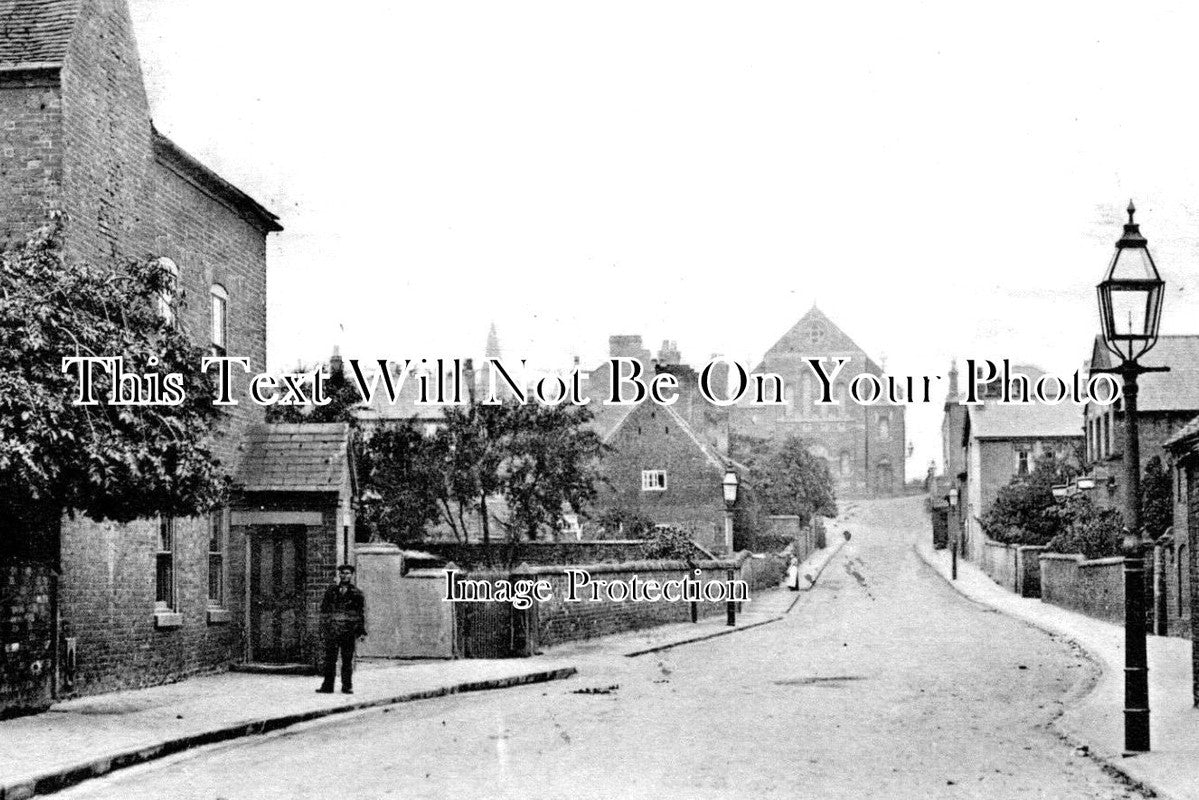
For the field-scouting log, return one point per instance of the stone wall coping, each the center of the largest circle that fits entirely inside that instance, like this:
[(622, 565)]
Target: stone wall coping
[(627, 566), (1083, 562), (374, 548), (988, 542)]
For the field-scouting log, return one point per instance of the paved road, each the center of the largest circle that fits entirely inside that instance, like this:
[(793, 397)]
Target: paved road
[(883, 683)]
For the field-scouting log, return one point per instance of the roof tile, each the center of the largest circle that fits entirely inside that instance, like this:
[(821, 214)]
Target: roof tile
[(35, 32)]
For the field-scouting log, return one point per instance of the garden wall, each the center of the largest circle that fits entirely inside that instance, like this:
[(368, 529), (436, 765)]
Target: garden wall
[(1094, 588), (1015, 567), (469, 556), (497, 630)]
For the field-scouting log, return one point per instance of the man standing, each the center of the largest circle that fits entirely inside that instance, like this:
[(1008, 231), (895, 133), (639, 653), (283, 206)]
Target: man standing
[(343, 620)]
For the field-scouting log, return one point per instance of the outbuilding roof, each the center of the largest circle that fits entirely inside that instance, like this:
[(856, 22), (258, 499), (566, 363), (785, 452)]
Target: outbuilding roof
[(295, 458)]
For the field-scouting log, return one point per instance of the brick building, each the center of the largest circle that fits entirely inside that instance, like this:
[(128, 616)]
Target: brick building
[(1000, 442), (1181, 566), (865, 446), (1166, 403), (659, 467), (158, 599)]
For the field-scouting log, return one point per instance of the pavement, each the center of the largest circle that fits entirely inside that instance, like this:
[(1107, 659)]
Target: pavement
[(1095, 723), (92, 736)]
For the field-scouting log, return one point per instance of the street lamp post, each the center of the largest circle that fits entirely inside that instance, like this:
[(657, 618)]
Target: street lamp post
[(953, 538), (729, 485), (1130, 306)]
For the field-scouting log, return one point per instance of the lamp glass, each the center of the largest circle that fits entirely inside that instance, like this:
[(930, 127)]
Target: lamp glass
[(1130, 297), (729, 484)]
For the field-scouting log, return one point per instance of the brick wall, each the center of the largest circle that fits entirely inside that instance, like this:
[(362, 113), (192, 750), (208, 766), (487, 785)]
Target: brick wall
[(106, 125), (212, 244), (27, 636), (538, 553), (1095, 588), (31, 151), (1192, 483), (107, 602), (558, 621)]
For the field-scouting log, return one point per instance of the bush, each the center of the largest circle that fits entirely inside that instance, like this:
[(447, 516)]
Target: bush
[(669, 543), (1087, 529), (1025, 511), (624, 523), (771, 542)]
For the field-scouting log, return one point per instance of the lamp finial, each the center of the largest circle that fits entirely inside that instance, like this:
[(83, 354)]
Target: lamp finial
[(1131, 210)]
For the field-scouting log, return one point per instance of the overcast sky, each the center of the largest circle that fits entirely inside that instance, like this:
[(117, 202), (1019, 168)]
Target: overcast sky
[(941, 179)]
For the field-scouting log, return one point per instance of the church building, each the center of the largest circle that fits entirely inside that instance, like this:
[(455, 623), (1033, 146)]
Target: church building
[(863, 445)]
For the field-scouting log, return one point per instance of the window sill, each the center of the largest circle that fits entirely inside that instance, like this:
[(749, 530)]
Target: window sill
[(219, 616), (168, 619)]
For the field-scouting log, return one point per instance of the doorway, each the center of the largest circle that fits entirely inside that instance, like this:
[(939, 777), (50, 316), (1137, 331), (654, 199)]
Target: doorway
[(277, 608)]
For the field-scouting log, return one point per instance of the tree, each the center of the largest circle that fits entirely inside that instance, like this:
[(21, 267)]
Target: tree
[(538, 460), (110, 462), (1025, 510), (670, 543), (400, 476), (344, 400), (552, 463), (790, 480), (1157, 499), (473, 442)]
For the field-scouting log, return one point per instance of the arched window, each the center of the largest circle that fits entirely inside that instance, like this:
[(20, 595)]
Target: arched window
[(805, 398), (167, 294), (220, 319), (846, 464), (884, 428)]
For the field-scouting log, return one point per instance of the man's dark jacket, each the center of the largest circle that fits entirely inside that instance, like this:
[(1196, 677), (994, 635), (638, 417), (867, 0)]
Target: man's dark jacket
[(343, 611)]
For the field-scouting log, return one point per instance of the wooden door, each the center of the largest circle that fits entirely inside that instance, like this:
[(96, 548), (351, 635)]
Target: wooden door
[(277, 619)]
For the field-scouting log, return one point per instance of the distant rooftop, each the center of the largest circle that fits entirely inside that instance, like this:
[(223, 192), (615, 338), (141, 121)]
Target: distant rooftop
[(1034, 421), (1176, 390)]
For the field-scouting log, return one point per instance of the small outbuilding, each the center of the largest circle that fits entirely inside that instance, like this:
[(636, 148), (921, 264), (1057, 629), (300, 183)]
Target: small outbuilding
[(294, 509)]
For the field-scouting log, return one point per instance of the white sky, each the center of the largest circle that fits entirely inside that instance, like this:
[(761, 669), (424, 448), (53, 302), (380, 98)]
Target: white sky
[(942, 179)]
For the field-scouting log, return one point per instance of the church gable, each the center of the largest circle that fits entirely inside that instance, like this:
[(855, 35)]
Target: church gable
[(815, 335)]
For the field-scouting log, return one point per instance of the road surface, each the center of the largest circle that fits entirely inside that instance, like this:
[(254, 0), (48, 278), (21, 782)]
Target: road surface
[(882, 682)]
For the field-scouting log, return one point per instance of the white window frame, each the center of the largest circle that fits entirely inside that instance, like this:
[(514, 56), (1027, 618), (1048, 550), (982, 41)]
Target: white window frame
[(653, 480), (169, 294), (219, 311), (218, 531), (166, 525)]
